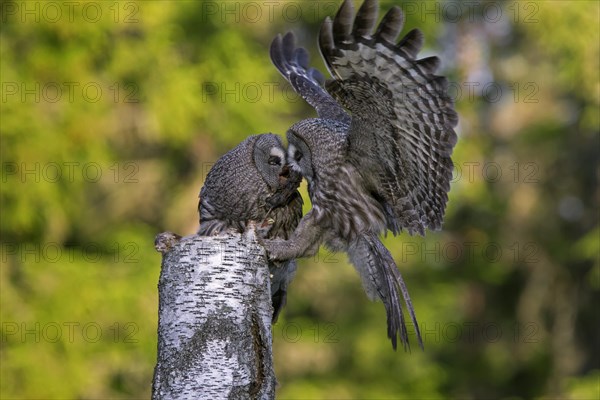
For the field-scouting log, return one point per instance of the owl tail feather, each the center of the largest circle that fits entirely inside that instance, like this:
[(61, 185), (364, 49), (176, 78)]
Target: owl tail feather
[(382, 279)]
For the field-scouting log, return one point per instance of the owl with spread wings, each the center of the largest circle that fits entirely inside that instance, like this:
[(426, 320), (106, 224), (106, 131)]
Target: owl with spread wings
[(377, 157)]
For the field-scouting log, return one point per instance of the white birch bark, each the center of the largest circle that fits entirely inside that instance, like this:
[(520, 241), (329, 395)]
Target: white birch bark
[(214, 328)]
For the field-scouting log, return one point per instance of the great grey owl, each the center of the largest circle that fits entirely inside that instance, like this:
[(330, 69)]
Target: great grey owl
[(252, 183), (382, 164)]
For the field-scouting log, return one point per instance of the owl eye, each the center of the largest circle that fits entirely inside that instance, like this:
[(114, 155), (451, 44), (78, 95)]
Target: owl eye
[(298, 155), (274, 160)]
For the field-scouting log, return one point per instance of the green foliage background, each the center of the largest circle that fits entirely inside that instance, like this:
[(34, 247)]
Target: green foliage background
[(113, 112)]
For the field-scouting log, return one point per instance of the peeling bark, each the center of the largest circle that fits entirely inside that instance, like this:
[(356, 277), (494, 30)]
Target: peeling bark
[(214, 326)]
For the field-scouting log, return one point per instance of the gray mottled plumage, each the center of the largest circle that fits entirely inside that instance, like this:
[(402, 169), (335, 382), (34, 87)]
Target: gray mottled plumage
[(251, 183), (384, 164)]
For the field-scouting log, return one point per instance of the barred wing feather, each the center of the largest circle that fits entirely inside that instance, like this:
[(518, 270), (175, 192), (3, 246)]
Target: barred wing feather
[(402, 120)]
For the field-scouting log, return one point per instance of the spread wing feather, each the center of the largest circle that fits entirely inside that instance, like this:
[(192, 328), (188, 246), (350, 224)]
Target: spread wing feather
[(401, 131), (402, 119), (292, 62)]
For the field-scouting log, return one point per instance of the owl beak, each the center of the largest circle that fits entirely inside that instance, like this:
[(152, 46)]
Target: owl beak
[(295, 167), (291, 175), (285, 172), (289, 180)]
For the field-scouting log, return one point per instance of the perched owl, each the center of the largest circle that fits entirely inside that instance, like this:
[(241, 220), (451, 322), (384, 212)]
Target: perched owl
[(377, 158), (252, 183)]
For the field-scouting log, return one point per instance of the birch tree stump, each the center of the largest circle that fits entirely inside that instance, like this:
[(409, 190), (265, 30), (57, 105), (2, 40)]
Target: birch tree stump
[(214, 322)]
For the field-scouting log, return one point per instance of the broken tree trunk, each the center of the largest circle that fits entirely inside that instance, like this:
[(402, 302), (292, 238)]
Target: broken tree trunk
[(214, 322)]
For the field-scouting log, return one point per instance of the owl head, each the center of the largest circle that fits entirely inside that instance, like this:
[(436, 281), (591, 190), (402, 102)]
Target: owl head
[(313, 143), (242, 183), (269, 158)]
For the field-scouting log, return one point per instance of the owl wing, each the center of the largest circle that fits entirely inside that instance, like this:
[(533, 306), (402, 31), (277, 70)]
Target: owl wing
[(292, 63), (401, 132)]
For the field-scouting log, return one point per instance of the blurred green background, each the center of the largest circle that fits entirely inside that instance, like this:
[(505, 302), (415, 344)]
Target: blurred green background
[(113, 112)]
